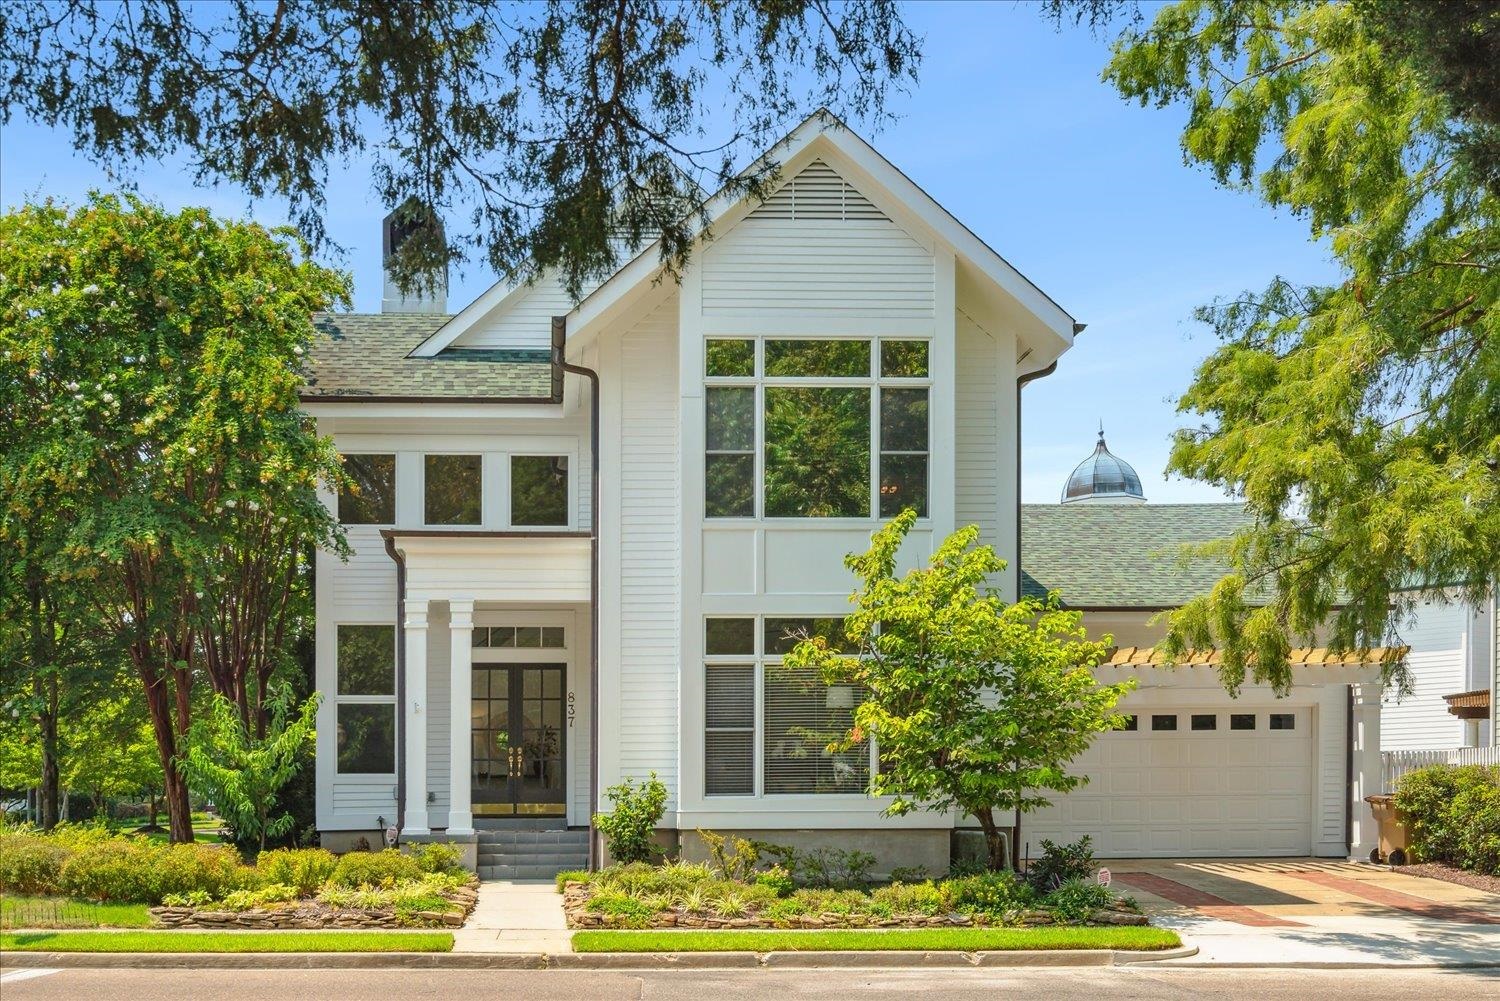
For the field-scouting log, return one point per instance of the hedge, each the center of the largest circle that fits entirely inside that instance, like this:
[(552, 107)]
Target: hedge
[(1453, 815)]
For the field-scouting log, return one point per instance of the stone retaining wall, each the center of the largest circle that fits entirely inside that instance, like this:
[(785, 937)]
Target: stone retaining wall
[(309, 914)]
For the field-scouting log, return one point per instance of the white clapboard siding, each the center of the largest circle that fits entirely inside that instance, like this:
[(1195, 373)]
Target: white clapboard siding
[(363, 588), (523, 319), (977, 438), (1333, 745), (818, 246), (650, 570), (1435, 634), (366, 799)]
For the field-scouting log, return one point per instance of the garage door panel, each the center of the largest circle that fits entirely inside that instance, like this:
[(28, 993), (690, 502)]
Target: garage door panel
[(1189, 792)]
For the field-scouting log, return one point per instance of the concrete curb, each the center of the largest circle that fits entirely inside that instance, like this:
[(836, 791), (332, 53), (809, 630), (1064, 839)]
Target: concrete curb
[(890, 959)]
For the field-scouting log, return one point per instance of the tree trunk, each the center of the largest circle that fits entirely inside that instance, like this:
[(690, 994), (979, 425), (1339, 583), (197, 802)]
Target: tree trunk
[(174, 791), (179, 808), (1015, 841), (154, 802), (994, 841), (49, 796)]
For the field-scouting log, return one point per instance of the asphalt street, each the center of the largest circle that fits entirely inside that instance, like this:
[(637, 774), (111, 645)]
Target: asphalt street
[(717, 985)]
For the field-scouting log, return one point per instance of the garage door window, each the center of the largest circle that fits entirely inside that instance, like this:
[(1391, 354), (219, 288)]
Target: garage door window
[(1163, 722), (1242, 721), (1283, 721), (1132, 723), (1205, 721)]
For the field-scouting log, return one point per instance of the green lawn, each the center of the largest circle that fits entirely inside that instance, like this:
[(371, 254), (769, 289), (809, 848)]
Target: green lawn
[(876, 940), (228, 941), (60, 912)]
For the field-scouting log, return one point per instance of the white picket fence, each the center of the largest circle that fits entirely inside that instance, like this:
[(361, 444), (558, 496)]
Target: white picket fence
[(1395, 764)]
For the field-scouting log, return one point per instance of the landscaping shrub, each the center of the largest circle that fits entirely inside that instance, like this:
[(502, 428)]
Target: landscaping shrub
[(374, 869), (735, 858), (135, 871), (907, 898), (424, 893), (572, 876), (777, 879), (993, 893), (30, 864), (439, 857), (1453, 815), (629, 827), (272, 893), (1076, 899), (1060, 864), (306, 869), (1479, 828), (625, 910)]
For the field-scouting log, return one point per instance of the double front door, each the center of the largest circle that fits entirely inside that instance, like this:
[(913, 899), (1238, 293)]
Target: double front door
[(519, 718)]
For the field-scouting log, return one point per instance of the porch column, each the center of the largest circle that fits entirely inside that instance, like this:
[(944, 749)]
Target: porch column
[(1369, 778), (414, 737), (460, 687)]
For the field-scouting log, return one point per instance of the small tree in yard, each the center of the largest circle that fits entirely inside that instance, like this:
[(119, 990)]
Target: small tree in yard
[(628, 828), (973, 702), (241, 772)]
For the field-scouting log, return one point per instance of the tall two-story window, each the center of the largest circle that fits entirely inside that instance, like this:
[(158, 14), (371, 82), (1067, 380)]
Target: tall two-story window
[(815, 427), (365, 700), (767, 728), (370, 497)]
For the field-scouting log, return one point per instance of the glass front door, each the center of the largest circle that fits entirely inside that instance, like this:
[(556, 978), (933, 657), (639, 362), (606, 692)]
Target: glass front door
[(518, 720)]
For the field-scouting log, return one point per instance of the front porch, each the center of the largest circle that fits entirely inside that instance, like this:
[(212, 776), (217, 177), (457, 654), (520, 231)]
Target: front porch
[(494, 680)]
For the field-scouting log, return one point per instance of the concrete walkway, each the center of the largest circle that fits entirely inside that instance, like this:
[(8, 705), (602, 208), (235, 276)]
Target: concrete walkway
[(516, 916)]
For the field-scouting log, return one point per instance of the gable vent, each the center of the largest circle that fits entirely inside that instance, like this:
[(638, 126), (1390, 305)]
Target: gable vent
[(818, 192)]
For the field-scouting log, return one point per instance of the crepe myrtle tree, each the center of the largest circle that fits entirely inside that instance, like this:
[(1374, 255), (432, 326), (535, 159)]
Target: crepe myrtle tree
[(973, 702), (149, 368)]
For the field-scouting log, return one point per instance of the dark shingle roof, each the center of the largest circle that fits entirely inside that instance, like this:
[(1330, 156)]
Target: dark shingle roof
[(1122, 555), (363, 356)]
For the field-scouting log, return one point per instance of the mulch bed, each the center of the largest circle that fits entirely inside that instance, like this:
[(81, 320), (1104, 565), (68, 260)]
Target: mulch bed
[(1448, 874)]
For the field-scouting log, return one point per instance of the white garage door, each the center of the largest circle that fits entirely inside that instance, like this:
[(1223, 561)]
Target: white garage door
[(1210, 781)]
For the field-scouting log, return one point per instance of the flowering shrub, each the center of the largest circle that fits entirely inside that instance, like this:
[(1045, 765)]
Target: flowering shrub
[(382, 868)]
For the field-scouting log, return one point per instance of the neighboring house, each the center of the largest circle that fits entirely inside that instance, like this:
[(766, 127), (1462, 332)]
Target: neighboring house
[(584, 530), (1452, 662)]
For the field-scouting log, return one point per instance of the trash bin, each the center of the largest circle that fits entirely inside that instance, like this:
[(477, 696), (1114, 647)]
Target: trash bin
[(1390, 829)]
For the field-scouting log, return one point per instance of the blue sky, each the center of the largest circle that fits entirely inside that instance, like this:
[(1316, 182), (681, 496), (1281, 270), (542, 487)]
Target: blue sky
[(1011, 130)]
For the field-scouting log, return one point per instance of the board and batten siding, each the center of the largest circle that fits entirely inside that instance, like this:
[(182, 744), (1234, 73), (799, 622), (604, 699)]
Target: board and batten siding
[(1437, 636), (650, 568), (818, 247)]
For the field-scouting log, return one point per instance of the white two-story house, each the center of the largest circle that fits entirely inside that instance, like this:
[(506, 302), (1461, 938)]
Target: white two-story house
[(585, 529)]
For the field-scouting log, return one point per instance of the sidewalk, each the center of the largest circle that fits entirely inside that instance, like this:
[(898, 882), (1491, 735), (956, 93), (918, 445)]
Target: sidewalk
[(516, 916)]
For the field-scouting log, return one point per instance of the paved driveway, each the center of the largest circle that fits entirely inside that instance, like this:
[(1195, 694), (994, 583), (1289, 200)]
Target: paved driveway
[(1313, 911)]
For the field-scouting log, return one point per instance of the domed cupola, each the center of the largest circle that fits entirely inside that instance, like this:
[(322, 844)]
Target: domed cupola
[(1104, 478)]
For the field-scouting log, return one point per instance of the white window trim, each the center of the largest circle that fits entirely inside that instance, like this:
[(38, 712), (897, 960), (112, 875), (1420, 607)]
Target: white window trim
[(758, 660), (395, 491), (422, 487), (507, 515), (337, 700), (874, 382)]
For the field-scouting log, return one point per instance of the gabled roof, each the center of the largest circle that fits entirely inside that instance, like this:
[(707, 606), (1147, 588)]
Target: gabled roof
[(365, 357), (1122, 556), (820, 134)]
